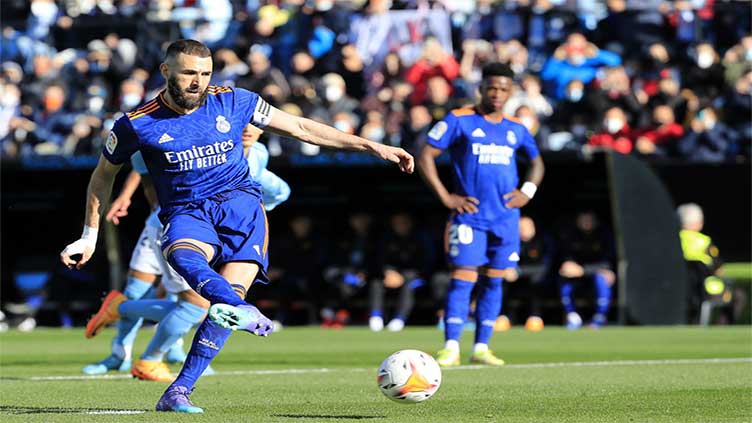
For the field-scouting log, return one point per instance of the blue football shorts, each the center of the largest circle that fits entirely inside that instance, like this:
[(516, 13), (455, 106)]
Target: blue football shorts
[(234, 222), (465, 245)]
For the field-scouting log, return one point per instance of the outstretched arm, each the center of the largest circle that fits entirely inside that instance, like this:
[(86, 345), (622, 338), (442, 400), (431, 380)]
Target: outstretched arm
[(97, 196), (322, 135), (427, 168)]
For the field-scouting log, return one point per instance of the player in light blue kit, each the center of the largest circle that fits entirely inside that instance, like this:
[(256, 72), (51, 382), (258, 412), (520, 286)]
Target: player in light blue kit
[(215, 232), (147, 264), (482, 240)]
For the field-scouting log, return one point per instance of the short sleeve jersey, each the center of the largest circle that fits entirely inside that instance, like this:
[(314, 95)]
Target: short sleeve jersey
[(483, 160), (191, 156)]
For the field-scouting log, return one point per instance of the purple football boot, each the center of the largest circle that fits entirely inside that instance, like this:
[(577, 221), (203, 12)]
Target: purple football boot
[(243, 317), (176, 399)]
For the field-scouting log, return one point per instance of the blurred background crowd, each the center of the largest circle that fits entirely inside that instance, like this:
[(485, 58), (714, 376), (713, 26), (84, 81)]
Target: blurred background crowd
[(647, 77)]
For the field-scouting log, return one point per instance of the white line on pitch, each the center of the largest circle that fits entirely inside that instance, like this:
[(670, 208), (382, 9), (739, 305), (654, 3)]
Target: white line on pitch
[(466, 367), (113, 412)]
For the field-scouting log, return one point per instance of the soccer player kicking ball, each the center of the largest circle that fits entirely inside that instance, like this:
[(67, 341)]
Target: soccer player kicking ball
[(482, 240), (175, 319), (215, 233)]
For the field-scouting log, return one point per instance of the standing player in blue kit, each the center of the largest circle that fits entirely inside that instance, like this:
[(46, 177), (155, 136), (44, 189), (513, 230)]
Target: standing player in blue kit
[(482, 240), (215, 232)]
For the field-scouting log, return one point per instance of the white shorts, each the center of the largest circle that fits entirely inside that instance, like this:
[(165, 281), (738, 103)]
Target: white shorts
[(147, 257)]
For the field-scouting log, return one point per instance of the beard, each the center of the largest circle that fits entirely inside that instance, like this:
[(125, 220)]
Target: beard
[(179, 95)]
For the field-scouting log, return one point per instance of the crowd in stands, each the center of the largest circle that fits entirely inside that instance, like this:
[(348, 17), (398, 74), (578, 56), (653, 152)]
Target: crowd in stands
[(645, 77)]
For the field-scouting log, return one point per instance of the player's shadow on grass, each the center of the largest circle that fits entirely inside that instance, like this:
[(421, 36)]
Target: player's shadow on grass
[(23, 409), (327, 416)]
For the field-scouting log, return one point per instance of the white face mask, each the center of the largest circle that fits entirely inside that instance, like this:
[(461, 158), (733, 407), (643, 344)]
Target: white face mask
[(325, 5), (577, 59), (575, 95), (343, 126), (613, 125), (333, 93), (96, 104), (375, 134), (708, 122), (45, 11), (705, 60), (9, 100), (528, 122), (131, 100)]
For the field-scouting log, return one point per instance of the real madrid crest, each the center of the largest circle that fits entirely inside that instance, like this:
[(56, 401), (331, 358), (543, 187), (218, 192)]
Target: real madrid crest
[(223, 125)]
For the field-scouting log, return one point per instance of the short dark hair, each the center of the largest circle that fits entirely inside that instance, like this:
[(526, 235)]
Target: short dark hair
[(191, 47), (497, 69)]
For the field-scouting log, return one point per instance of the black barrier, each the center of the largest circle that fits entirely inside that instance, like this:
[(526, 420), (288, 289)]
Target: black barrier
[(651, 271)]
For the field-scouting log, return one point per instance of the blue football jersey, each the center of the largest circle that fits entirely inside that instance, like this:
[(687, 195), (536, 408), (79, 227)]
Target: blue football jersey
[(191, 156), (483, 160)]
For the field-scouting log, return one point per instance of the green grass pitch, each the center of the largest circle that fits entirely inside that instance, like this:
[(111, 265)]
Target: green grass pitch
[(633, 374)]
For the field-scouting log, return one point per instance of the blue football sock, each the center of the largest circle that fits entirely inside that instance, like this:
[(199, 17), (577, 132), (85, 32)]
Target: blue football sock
[(603, 294), (128, 327), (154, 310), (192, 266), (176, 324), (565, 290), (376, 313), (207, 342), (457, 308), (488, 308)]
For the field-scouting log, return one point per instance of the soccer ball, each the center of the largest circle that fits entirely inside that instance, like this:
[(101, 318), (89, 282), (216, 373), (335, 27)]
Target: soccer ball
[(409, 376)]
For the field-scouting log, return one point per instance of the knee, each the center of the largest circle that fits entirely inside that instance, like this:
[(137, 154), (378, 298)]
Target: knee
[(187, 249), (495, 276), (465, 274)]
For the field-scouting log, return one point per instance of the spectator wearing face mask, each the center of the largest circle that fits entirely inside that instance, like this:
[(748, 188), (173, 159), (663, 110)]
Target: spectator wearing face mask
[(708, 139), (345, 122), (335, 96), (575, 59), (373, 128), (571, 119), (615, 133), (131, 95), (661, 137), (706, 77)]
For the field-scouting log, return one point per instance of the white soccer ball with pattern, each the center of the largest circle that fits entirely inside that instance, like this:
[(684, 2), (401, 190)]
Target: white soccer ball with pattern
[(409, 376)]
